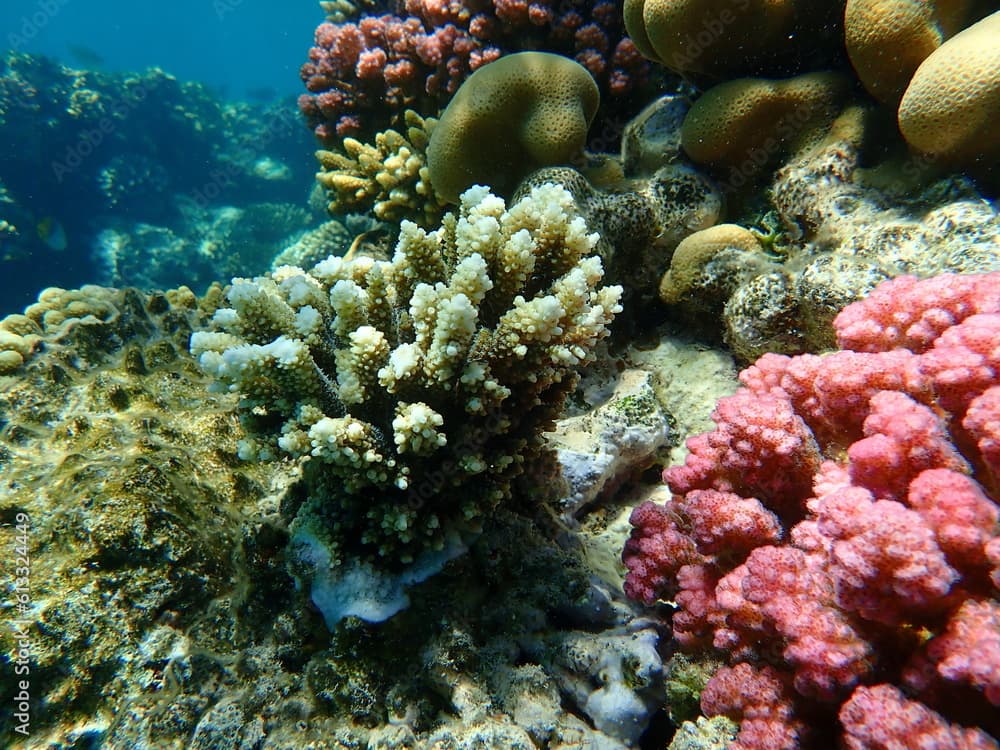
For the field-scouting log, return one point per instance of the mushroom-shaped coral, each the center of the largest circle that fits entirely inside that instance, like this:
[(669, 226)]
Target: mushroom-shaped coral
[(709, 265), (509, 118), (748, 122), (949, 109)]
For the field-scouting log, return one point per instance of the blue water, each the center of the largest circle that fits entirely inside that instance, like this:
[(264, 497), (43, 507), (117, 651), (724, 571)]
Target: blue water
[(236, 46), (117, 160)]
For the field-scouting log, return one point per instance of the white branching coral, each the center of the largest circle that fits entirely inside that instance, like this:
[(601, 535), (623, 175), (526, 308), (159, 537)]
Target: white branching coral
[(415, 389)]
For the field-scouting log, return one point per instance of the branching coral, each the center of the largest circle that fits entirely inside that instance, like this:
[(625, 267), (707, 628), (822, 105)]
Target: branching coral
[(389, 178), (414, 390), (362, 75), (838, 532)]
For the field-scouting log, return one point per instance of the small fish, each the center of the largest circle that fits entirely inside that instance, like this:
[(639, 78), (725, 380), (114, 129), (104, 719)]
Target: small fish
[(262, 94), (372, 240), (85, 56), (51, 232)]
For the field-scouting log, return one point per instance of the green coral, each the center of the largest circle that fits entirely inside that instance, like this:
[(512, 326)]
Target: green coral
[(685, 679), (414, 390), (125, 467)]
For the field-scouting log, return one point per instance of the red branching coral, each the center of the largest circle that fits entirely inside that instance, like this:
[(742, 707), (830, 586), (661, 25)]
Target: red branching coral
[(839, 529), (362, 76), (759, 700), (881, 718)]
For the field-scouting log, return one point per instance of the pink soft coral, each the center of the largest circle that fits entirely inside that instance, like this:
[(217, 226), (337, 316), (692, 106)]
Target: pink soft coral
[(840, 524)]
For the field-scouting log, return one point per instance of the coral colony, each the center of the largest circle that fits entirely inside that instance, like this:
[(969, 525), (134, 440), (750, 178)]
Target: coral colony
[(458, 350), (830, 534), (393, 481)]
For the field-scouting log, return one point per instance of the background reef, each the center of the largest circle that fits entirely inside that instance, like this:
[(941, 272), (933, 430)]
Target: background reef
[(127, 179), (459, 458)]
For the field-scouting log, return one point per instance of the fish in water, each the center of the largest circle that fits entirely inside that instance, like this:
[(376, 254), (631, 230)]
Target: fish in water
[(51, 232), (85, 56), (262, 94)]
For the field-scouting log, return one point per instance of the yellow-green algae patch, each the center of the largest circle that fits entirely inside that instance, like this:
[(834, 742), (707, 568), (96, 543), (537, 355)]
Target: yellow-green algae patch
[(126, 468)]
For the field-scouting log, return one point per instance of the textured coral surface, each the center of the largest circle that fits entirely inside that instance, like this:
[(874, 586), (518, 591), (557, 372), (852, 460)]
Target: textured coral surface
[(396, 382), (362, 74), (161, 613), (837, 534)]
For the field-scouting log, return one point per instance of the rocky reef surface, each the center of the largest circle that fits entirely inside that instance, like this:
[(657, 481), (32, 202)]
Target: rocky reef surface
[(471, 467)]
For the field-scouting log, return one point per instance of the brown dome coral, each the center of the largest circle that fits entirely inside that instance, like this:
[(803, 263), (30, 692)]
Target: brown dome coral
[(758, 120), (509, 118), (720, 37), (888, 39)]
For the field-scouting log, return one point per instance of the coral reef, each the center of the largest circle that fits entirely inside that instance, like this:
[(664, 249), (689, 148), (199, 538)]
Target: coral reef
[(359, 71), (332, 237), (836, 231), (523, 112), (162, 612), (90, 324), (205, 245), (837, 534), (640, 220), (363, 74), (887, 41), (374, 493), (936, 58), (111, 447), (390, 178), (397, 382), (949, 105), (124, 148), (720, 37), (750, 122)]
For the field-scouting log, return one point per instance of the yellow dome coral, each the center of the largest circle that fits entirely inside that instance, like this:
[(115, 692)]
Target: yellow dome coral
[(718, 36), (888, 39), (756, 120), (510, 117), (951, 106), (711, 264)]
